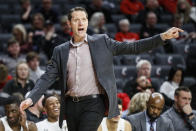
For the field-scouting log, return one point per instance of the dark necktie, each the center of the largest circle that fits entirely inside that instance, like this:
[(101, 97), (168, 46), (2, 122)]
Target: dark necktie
[(151, 126)]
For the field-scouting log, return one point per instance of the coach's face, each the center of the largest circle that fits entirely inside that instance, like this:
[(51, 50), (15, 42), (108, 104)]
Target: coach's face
[(79, 24)]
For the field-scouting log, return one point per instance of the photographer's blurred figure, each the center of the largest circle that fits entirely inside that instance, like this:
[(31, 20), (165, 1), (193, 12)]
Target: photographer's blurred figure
[(116, 123)]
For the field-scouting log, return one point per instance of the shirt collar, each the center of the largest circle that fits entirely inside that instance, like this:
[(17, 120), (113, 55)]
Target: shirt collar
[(78, 43), (148, 118)]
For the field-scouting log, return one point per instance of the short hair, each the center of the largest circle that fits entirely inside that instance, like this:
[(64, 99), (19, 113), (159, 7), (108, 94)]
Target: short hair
[(95, 19), (181, 88), (173, 71), (64, 19), (21, 62), (38, 15), (46, 96), (3, 72), (22, 29), (76, 9), (32, 55), (141, 62), (124, 21), (13, 100), (12, 41), (139, 102)]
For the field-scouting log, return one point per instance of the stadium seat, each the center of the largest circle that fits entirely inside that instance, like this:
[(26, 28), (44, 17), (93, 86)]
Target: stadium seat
[(120, 84), (169, 59), (189, 27), (4, 9), (117, 60), (117, 17), (124, 72), (3, 41), (160, 71), (163, 27), (134, 59), (189, 81), (166, 18), (181, 49), (158, 50), (111, 29), (135, 28), (157, 82)]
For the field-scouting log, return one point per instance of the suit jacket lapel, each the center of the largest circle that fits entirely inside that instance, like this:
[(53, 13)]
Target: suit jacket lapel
[(64, 59), (158, 124), (92, 48), (143, 122)]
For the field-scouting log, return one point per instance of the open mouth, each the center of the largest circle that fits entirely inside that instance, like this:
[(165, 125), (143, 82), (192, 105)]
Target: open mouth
[(81, 29), (56, 110)]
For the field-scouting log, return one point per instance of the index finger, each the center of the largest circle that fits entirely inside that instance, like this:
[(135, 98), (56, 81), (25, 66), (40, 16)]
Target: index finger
[(180, 30)]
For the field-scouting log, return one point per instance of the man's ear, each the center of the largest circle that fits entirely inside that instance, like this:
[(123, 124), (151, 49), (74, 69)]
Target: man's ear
[(69, 23), (44, 110), (175, 98)]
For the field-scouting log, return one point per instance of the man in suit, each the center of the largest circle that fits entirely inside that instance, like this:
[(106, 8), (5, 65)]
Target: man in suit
[(150, 120), (181, 114), (85, 66)]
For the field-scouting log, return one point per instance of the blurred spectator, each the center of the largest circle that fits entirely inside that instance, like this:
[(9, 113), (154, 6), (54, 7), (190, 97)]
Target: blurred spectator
[(185, 37), (131, 8), (4, 77), (116, 123), (21, 83), (175, 79), (139, 102), (125, 34), (143, 69), (183, 10), (125, 103), (33, 59), (48, 12), (98, 6), (149, 28), (169, 5), (36, 33), (97, 22), (144, 84), (35, 112), (20, 34), (26, 11), (13, 57), (51, 106), (151, 119), (65, 31), (19, 96), (14, 120), (151, 6), (51, 39), (181, 114)]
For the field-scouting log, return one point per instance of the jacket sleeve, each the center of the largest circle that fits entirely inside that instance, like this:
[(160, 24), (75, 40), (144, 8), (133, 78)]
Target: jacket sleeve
[(193, 122), (136, 47), (47, 79)]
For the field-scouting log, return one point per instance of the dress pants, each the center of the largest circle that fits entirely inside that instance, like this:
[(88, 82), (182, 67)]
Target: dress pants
[(85, 115)]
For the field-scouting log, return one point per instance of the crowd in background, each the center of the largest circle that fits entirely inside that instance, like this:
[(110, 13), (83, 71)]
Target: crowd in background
[(31, 29)]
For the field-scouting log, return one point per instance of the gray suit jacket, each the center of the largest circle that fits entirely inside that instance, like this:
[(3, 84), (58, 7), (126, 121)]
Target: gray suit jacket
[(102, 50), (138, 123), (178, 122)]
